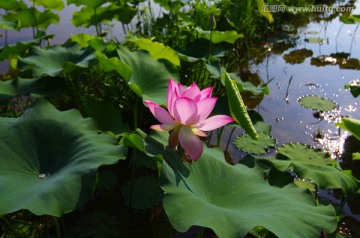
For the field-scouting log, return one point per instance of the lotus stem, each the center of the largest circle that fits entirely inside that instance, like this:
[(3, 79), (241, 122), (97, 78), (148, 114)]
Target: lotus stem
[(228, 142), (219, 134), (57, 227), (209, 139), (352, 39)]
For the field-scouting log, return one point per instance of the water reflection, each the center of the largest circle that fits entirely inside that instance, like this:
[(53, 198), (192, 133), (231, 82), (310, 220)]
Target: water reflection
[(321, 60)]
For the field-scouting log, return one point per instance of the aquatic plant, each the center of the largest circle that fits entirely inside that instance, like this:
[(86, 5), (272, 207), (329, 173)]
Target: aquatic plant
[(187, 116)]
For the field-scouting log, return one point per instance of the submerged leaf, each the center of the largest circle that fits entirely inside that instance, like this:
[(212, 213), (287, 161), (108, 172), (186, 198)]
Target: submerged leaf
[(317, 103), (49, 160), (205, 194)]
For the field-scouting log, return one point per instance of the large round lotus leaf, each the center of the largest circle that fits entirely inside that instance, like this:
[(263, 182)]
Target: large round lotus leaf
[(149, 77), (49, 160), (233, 200), (313, 164), (317, 103), (53, 61)]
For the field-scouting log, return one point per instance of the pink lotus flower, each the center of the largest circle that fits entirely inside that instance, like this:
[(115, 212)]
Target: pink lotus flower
[(187, 116)]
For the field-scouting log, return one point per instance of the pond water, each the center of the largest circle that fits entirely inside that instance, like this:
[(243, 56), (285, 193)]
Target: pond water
[(288, 81), (290, 121)]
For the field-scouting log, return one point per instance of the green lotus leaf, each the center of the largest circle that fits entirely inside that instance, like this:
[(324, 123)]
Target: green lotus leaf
[(106, 116), (10, 51), (206, 194), (114, 63), (7, 92), (31, 17), (57, 59), (89, 3), (83, 39), (149, 77), (351, 125), (311, 164), (249, 145), (37, 87), (317, 103), (8, 25), (12, 5), (354, 87), (157, 50), (88, 17), (219, 36), (142, 193), (50, 4), (49, 160)]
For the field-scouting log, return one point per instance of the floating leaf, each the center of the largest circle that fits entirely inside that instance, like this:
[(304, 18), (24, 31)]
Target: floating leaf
[(205, 194), (142, 193), (317, 103), (237, 108), (314, 40), (351, 125), (312, 164), (57, 59), (157, 50), (49, 160), (261, 146), (149, 77)]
